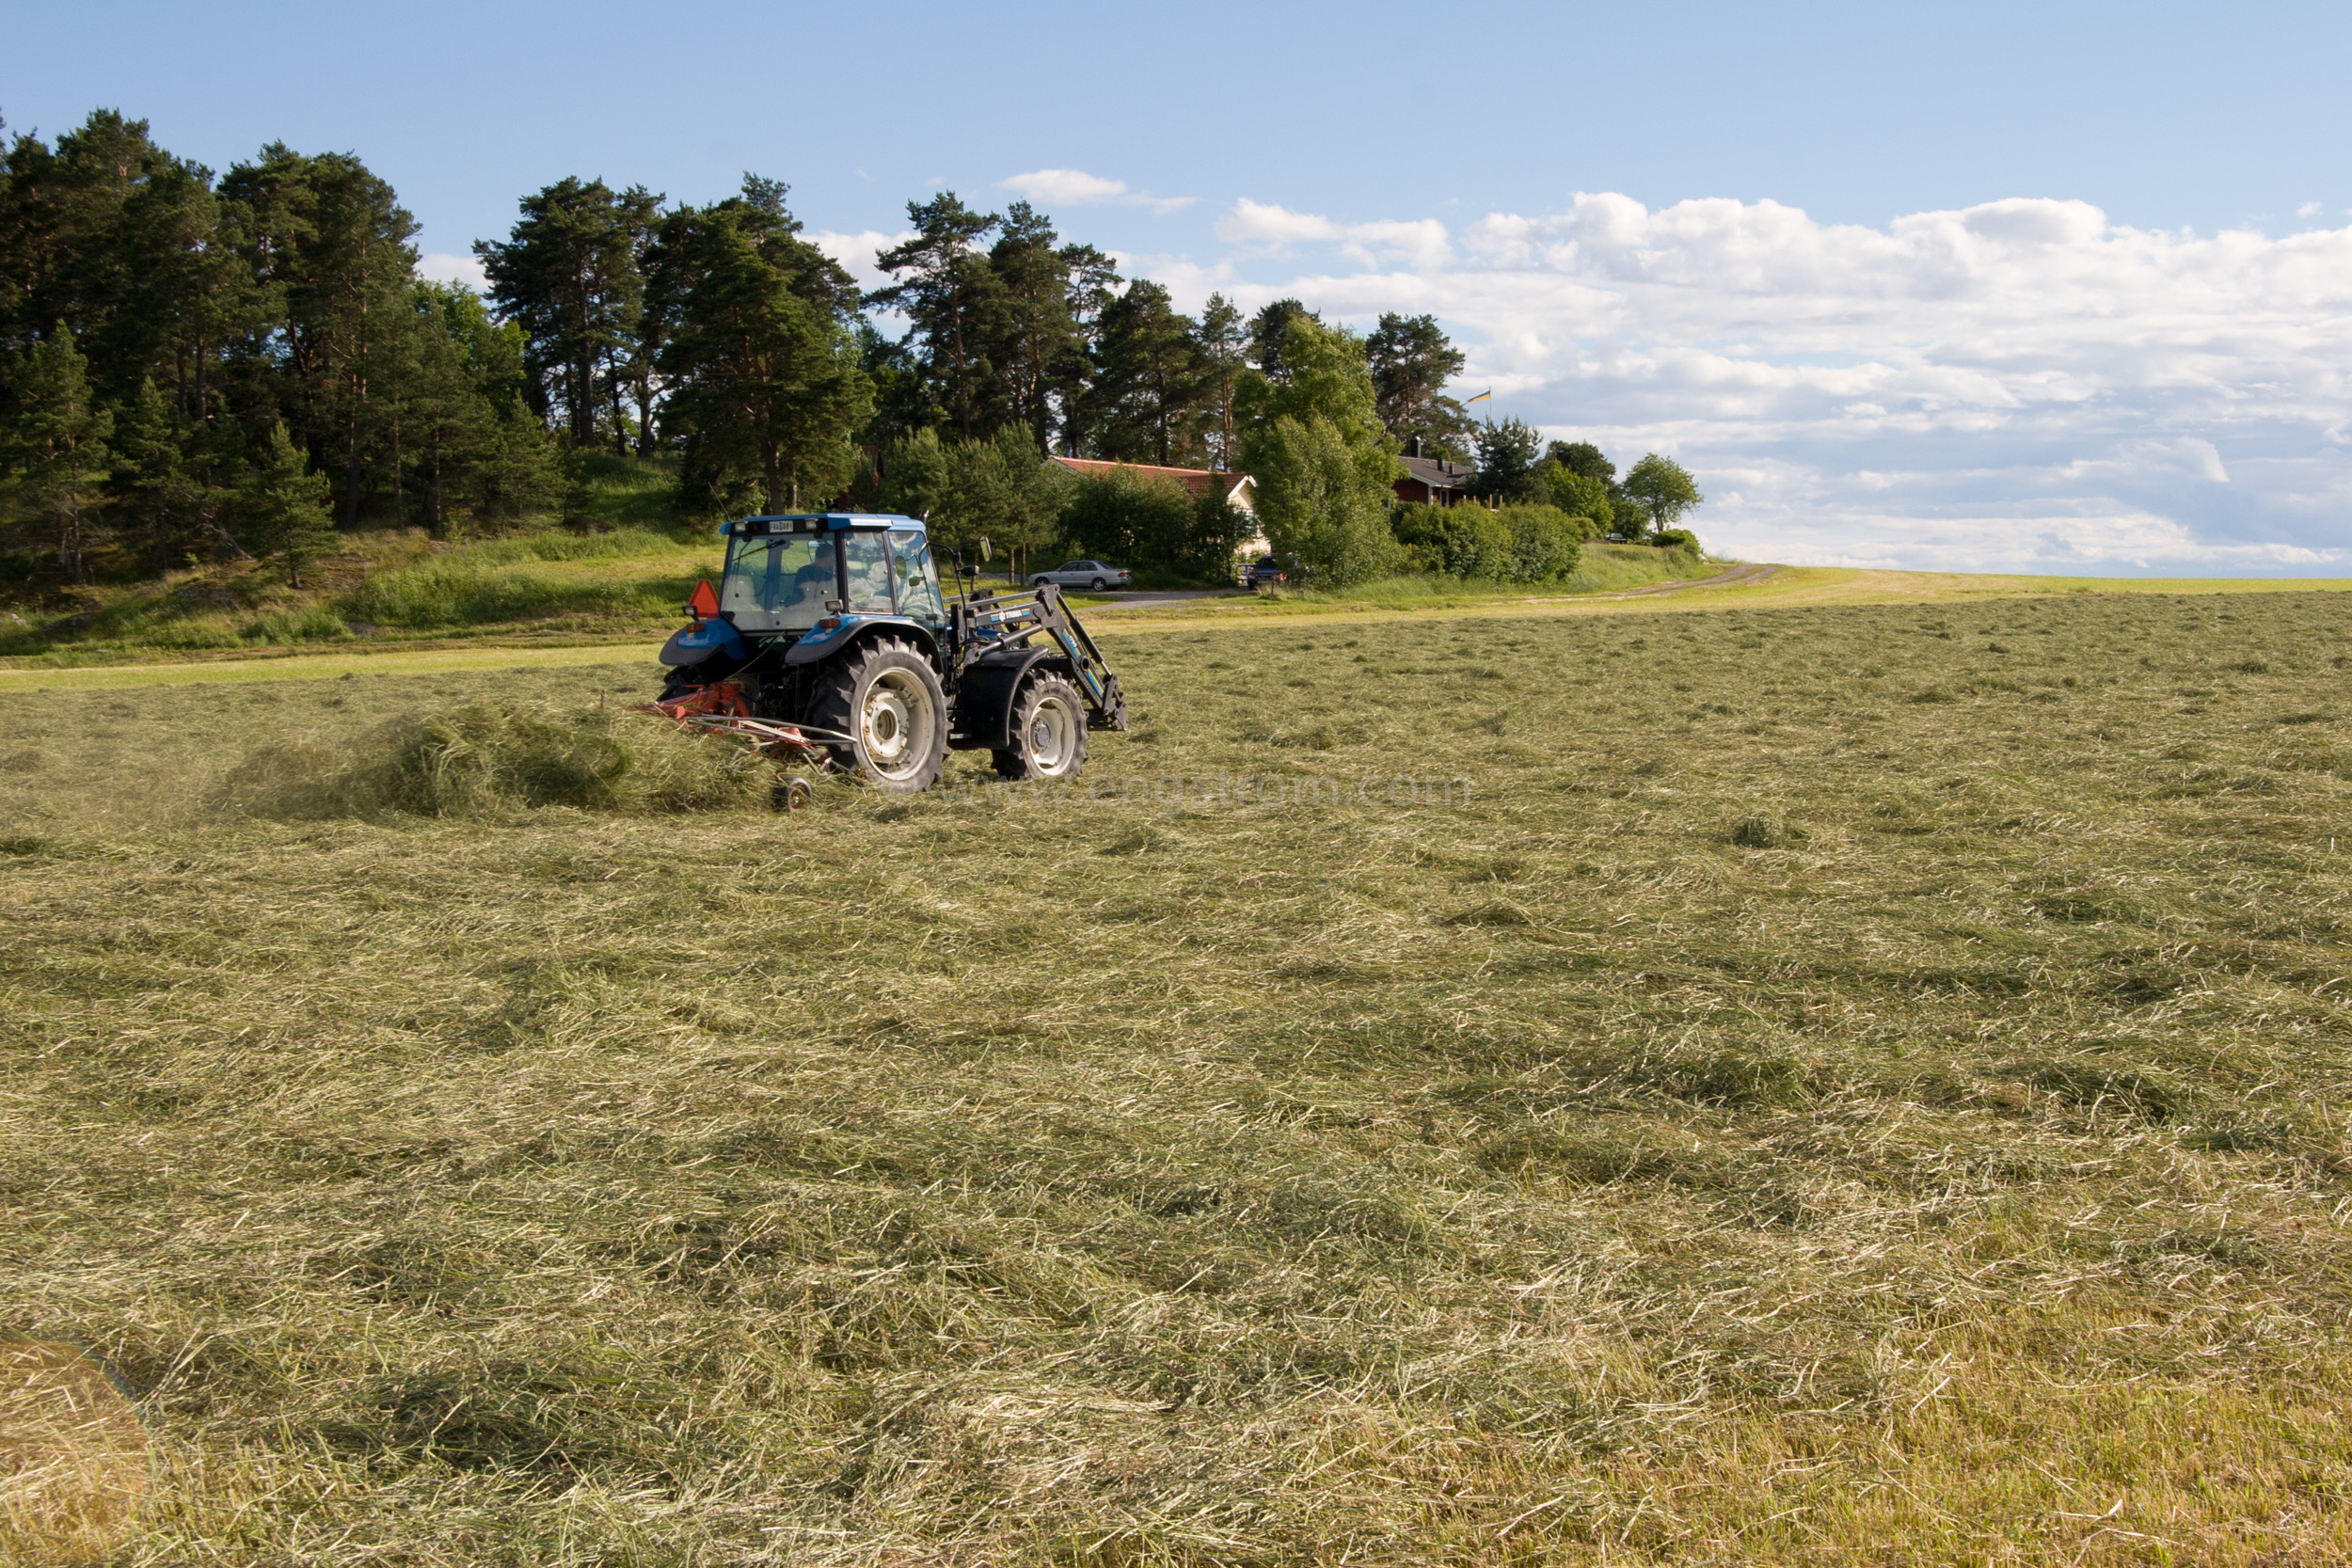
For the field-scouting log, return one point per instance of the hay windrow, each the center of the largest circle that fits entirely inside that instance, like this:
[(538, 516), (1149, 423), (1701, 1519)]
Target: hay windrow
[(486, 759)]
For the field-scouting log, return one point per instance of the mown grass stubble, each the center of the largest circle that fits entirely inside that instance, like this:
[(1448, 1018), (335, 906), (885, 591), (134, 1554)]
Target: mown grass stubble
[(1848, 1082)]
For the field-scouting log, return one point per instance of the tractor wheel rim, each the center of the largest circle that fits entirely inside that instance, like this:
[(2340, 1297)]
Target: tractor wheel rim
[(895, 724), (1050, 728)]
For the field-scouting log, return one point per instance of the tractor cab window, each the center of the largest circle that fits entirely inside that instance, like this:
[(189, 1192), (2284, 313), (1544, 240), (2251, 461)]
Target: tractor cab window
[(777, 582), (918, 580), (869, 572)]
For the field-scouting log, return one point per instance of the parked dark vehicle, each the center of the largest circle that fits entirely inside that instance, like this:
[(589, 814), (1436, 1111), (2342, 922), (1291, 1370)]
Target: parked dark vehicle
[(1264, 572)]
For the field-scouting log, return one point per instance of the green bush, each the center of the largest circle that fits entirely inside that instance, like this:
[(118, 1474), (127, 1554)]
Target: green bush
[(1152, 524), (313, 623), (1546, 542), (1324, 498), (1467, 542), (1582, 496), (1518, 544)]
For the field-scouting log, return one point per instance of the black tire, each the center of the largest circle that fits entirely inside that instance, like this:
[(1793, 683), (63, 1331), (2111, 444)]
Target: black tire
[(1049, 732), (886, 695), (1097, 585), (676, 684)]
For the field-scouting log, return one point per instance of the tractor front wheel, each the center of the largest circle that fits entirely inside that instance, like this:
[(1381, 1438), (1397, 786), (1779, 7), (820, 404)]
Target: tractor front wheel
[(886, 698), (1049, 732)]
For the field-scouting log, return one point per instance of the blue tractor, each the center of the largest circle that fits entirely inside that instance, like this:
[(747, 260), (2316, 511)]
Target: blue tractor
[(828, 634)]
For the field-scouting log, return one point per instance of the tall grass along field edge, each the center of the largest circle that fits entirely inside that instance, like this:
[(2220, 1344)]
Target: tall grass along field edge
[(1786, 587)]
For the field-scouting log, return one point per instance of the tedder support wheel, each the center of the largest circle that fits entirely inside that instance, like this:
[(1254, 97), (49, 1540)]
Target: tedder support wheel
[(885, 696), (1049, 732)]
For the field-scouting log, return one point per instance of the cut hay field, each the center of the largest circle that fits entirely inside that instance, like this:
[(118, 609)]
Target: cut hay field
[(1848, 1083)]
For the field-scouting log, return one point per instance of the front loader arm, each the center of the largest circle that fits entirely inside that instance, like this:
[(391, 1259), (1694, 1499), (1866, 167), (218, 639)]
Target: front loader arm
[(985, 624)]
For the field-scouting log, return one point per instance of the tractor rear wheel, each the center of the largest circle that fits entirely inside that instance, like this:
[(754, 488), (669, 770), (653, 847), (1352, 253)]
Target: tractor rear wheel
[(887, 699), (1049, 732)]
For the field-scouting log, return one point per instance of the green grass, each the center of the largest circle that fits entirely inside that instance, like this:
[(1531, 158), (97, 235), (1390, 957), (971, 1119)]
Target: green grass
[(1603, 569), (1846, 1083), (399, 586), (630, 573), (382, 587), (490, 587)]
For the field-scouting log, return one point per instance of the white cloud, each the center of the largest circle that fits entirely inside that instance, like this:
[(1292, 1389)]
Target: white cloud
[(856, 252), (1263, 222), (1423, 243), (1070, 187), (2020, 384), (441, 267)]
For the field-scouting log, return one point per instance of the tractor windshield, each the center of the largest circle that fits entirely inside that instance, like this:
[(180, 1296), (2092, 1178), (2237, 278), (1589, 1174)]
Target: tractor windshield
[(778, 582)]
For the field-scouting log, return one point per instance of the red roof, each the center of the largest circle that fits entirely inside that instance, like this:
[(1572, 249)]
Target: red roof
[(1200, 481)]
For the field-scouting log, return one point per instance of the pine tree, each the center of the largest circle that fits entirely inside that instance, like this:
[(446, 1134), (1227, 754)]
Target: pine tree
[(764, 381), (60, 444), (1411, 361), (1506, 462), (329, 245), (522, 469), (954, 299), (152, 476), (1269, 330), (1150, 382), (1224, 354), (449, 417), (570, 277), (1037, 330), (1047, 295), (284, 506)]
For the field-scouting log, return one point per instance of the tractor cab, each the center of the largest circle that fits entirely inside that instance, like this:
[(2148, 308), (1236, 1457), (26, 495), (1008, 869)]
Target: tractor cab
[(816, 581), (785, 575)]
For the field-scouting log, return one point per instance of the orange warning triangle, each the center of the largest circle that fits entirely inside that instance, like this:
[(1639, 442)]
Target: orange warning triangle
[(705, 604)]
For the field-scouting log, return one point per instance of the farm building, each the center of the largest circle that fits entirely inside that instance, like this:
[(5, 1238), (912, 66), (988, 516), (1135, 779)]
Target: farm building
[(1431, 481), (1236, 488)]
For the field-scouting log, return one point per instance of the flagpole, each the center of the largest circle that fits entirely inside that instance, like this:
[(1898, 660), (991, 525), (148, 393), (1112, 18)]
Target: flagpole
[(1487, 398)]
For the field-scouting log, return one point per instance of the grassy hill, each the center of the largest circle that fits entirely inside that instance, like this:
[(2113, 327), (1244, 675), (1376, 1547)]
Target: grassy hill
[(627, 570), (1861, 1082)]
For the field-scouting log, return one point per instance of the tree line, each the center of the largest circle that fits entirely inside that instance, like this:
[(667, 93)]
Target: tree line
[(195, 366)]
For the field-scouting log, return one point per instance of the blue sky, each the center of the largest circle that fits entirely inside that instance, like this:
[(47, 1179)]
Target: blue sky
[(2050, 287)]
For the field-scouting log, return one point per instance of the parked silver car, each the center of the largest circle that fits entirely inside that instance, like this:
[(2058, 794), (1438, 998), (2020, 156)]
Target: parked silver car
[(1096, 575)]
